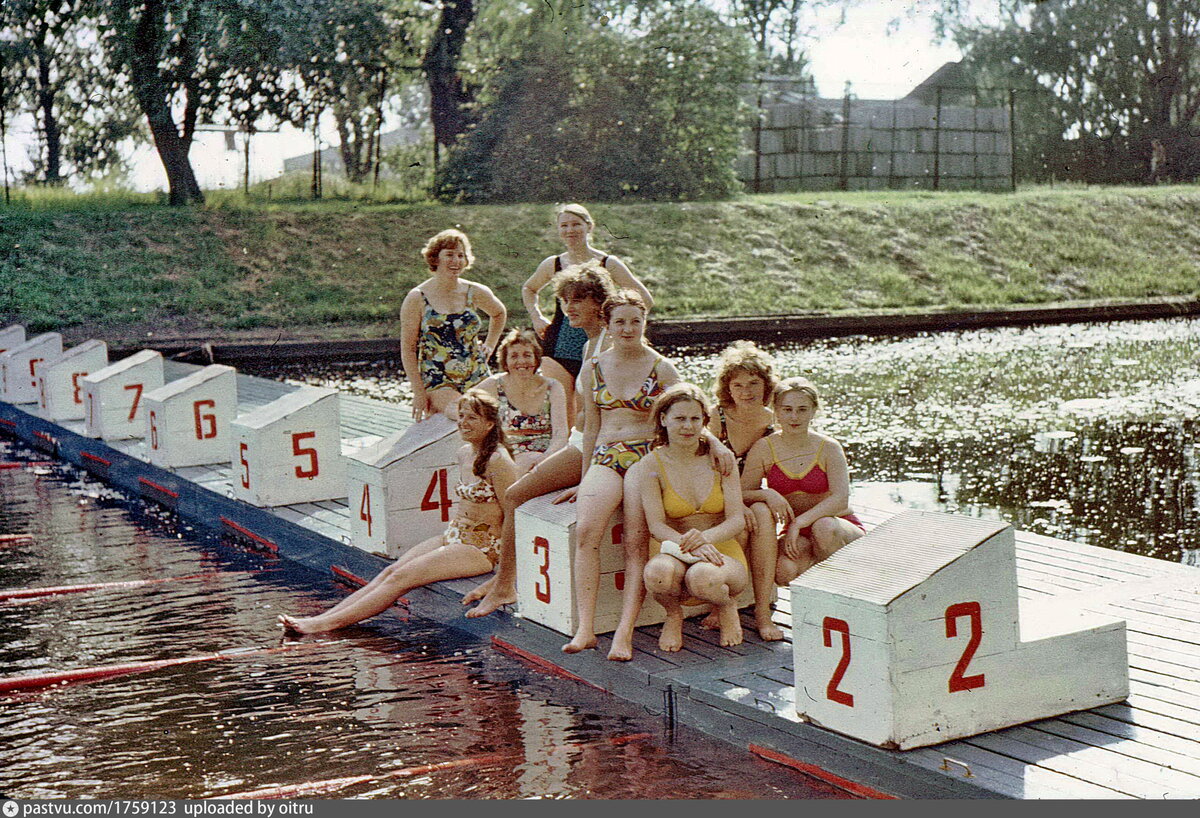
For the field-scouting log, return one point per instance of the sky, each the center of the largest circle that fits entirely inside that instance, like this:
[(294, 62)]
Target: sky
[(878, 64)]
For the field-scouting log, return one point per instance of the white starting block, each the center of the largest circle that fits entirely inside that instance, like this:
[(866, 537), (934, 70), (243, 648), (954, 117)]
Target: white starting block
[(289, 451), (545, 535), (60, 392), (19, 365), (114, 409), (187, 420), (909, 637), (11, 336), (399, 489)]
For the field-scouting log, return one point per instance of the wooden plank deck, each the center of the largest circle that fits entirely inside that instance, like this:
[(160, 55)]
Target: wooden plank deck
[(1146, 747)]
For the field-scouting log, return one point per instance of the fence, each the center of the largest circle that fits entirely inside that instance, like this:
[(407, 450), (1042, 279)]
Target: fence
[(804, 142)]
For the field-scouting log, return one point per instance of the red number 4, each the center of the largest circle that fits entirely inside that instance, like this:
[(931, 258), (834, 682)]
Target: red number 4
[(364, 508), (437, 483)]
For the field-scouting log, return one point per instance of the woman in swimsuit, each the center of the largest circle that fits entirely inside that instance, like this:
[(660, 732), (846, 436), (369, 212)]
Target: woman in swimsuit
[(695, 514), (808, 483), (562, 341), (440, 324), (470, 545), (533, 409), (582, 291), (745, 379), (617, 432)]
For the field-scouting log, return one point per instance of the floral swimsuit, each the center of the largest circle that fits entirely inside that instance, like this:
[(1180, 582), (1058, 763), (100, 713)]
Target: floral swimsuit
[(448, 349)]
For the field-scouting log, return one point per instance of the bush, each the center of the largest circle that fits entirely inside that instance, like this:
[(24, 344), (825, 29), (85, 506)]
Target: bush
[(600, 115)]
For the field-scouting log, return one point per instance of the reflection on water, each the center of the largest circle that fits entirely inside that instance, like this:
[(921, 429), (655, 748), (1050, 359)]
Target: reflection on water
[(1085, 432), (384, 698)]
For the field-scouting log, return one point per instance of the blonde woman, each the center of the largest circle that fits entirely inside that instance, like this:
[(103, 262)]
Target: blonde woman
[(440, 325)]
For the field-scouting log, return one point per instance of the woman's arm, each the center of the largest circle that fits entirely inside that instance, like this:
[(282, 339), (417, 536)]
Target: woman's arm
[(560, 429), (735, 518), (501, 473), (623, 277), (837, 502), (529, 295), (497, 314), (751, 484), (410, 329), (591, 416), (645, 478)]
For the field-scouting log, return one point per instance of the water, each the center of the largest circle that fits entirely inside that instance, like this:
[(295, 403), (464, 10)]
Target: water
[(380, 700), (1086, 432)]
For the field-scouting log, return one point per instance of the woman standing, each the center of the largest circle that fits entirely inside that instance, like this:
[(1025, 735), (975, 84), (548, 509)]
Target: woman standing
[(745, 381), (533, 409), (562, 341), (470, 545), (582, 291), (808, 482), (694, 515), (440, 324)]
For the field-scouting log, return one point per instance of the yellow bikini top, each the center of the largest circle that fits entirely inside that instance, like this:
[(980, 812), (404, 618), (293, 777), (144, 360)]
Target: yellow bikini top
[(676, 507)]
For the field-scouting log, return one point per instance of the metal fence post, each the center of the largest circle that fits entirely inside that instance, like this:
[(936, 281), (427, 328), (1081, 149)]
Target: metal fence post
[(937, 144), (844, 184), (1012, 137)]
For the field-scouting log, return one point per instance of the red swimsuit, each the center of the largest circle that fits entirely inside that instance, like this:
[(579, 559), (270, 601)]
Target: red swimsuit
[(814, 481)]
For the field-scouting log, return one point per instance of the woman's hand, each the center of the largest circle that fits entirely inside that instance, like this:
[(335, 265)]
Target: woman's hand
[(751, 525), (780, 508), (692, 540), (567, 496), (710, 554), (540, 324), (791, 541), (421, 407), (723, 460)]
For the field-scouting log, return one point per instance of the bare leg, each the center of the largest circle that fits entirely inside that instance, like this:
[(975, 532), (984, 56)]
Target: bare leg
[(445, 400), (720, 585), (635, 540), (763, 556), (599, 496), (559, 471), (830, 534), (525, 462), (417, 550), (787, 568), (445, 562), (664, 581)]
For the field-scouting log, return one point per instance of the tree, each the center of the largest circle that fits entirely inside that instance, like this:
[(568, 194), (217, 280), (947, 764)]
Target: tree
[(448, 94), (1114, 74), (593, 112)]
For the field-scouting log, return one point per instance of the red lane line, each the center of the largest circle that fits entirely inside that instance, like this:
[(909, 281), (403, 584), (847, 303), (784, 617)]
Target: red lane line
[(39, 681), (539, 663), (8, 423), (157, 487), (96, 458), (28, 593), (23, 464), (852, 787), (332, 784), (354, 579), (11, 465), (44, 436), (245, 532), (7, 538)]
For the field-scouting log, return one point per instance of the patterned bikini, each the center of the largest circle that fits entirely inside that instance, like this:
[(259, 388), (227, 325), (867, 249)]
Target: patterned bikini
[(724, 438), (525, 433), (448, 348), (622, 454), (814, 480), (470, 532)]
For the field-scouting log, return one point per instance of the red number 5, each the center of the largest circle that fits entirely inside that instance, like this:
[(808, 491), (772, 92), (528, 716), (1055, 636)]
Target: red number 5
[(313, 468), (831, 690), (957, 680)]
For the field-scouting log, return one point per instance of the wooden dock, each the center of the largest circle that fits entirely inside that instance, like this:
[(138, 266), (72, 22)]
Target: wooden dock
[(1146, 747)]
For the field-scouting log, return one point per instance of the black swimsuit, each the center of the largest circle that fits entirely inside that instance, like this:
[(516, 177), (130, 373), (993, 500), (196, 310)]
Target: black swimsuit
[(563, 342)]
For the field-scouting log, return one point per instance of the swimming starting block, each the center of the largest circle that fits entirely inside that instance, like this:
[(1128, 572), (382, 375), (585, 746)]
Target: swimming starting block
[(113, 396), (187, 420), (60, 393), (19, 365), (914, 635)]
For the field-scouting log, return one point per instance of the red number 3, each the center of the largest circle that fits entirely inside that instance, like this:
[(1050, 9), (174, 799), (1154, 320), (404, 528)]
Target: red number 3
[(543, 545)]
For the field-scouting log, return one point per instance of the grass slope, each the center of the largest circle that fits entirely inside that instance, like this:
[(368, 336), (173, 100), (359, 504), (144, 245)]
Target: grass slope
[(125, 266)]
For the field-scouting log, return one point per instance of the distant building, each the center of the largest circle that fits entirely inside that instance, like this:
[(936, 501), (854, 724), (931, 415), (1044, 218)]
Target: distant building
[(331, 157)]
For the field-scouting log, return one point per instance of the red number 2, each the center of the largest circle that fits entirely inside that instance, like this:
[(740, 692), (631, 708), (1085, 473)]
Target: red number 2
[(831, 690), (957, 680), (313, 469), (543, 545), (437, 483)]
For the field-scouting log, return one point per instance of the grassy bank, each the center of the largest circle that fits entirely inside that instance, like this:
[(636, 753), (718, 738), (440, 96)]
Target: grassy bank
[(123, 266)]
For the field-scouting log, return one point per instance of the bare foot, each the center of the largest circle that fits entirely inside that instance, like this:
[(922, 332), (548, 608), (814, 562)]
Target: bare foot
[(478, 592), (303, 624), (671, 638), (492, 600), (768, 631), (580, 643), (711, 622), (622, 647), (731, 625)]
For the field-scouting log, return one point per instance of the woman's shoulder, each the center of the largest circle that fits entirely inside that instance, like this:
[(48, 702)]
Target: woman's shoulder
[(491, 383), (826, 442)]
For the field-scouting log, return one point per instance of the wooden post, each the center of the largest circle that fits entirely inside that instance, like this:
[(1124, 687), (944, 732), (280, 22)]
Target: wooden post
[(892, 155), (1012, 137), (844, 183), (758, 119), (937, 143)]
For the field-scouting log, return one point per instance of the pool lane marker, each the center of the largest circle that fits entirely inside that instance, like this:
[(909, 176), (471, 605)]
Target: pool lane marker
[(10, 539), (29, 593), (852, 787), (40, 681), (334, 784)]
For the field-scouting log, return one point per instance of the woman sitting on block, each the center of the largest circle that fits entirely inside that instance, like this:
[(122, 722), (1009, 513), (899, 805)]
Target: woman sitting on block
[(471, 543), (808, 483), (440, 324), (533, 409), (694, 516)]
